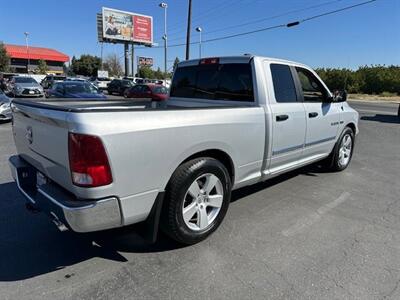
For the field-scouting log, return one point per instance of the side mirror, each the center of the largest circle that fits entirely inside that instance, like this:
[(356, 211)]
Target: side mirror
[(340, 96)]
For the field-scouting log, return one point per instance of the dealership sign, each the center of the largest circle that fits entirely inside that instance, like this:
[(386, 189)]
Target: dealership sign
[(122, 26), (145, 61)]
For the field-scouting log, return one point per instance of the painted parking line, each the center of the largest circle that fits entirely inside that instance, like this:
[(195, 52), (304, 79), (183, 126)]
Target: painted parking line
[(315, 216)]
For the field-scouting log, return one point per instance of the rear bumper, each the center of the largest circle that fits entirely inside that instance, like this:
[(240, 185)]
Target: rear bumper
[(62, 207)]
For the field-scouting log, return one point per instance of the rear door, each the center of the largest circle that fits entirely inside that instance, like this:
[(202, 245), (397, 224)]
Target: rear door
[(322, 116), (288, 119)]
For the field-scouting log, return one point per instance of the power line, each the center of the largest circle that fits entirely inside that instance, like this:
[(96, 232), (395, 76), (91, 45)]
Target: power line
[(291, 24), (262, 19), (265, 19)]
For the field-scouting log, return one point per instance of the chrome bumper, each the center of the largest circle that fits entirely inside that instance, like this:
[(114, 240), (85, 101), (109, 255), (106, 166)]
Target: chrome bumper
[(78, 215)]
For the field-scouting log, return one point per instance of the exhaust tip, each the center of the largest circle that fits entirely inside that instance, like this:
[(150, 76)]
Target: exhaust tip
[(60, 225)]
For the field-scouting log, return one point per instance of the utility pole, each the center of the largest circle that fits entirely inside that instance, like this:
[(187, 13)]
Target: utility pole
[(27, 51), (101, 54), (126, 51), (188, 30), (133, 59), (165, 6)]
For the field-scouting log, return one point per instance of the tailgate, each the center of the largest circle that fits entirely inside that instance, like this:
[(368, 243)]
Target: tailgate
[(41, 138)]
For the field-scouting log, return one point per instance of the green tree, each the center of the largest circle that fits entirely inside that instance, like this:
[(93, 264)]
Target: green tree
[(4, 59), (176, 62), (374, 79), (146, 72), (158, 74), (112, 64), (42, 67), (86, 65)]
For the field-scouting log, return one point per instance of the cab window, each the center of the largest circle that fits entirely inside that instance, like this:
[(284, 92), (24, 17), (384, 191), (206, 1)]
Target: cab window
[(230, 82), (312, 88)]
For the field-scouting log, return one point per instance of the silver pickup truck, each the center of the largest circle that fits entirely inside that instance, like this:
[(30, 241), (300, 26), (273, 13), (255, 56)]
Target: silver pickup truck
[(230, 122)]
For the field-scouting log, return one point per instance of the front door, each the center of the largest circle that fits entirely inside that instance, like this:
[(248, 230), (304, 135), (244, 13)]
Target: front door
[(288, 120), (322, 116)]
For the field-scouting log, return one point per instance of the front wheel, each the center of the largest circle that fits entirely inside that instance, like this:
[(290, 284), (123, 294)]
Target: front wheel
[(197, 200), (343, 151)]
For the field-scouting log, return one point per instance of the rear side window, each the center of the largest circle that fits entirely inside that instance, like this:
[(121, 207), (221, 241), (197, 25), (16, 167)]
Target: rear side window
[(284, 88), (230, 82)]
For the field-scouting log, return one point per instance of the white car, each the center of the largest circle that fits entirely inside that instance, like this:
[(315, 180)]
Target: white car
[(102, 82), (5, 107)]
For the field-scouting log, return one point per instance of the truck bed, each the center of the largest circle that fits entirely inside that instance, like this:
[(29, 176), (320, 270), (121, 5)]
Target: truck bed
[(87, 105), (94, 105)]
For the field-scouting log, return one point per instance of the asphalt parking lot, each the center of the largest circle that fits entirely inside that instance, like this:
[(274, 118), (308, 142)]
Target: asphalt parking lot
[(304, 235)]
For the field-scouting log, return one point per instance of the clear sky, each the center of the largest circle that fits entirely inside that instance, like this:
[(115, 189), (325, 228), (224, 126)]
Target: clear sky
[(365, 35)]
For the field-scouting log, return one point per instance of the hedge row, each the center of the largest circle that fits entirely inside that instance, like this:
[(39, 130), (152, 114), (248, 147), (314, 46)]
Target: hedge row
[(366, 80)]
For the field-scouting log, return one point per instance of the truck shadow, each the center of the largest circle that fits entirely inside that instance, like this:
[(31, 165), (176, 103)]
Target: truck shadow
[(30, 245), (382, 118)]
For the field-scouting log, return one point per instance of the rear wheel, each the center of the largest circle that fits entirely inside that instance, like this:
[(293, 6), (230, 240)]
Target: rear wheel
[(197, 200)]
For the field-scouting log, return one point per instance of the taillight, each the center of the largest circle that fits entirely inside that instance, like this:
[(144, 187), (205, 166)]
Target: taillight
[(209, 61), (88, 161)]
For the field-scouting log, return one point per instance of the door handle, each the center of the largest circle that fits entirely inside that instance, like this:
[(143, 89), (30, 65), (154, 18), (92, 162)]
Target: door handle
[(281, 118), (312, 114)]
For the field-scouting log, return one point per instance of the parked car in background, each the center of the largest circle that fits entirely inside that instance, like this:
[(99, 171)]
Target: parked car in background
[(118, 86), (49, 80), (230, 122), (76, 79), (135, 80), (5, 107), (23, 86), (75, 89), (147, 92), (101, 82)]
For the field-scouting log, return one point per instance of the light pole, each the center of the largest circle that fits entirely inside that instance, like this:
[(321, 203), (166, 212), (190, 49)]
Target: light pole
[(199, 30), (189, 21), (165, 6), (27, 50)]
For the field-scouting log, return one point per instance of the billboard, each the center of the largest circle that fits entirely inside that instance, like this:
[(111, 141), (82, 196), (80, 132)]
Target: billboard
[(126, 26), (145, 61)]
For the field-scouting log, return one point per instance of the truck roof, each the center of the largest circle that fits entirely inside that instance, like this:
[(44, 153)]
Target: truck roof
[(237, 59)]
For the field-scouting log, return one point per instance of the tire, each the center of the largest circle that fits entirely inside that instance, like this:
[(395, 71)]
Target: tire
[(190, 219), (341, 154)]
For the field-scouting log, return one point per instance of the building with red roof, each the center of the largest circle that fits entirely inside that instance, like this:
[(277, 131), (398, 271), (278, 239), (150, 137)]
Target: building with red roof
[(22, 56)]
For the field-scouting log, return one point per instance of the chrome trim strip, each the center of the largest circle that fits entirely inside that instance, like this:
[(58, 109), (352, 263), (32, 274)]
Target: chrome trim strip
[(303, 145), (321, 141), (287, 149)]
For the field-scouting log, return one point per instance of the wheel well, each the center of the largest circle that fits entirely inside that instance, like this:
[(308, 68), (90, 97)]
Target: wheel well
[(219, 155), (352, 126)]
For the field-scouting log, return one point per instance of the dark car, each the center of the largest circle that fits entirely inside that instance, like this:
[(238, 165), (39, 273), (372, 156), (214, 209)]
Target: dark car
[(118, 86), (75, 89), (49, 80), (154, 92)]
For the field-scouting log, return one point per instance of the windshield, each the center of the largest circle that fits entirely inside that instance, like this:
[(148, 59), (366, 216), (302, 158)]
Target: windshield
[(160, 90), (103, 79), (77, 88), (24, 80)]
